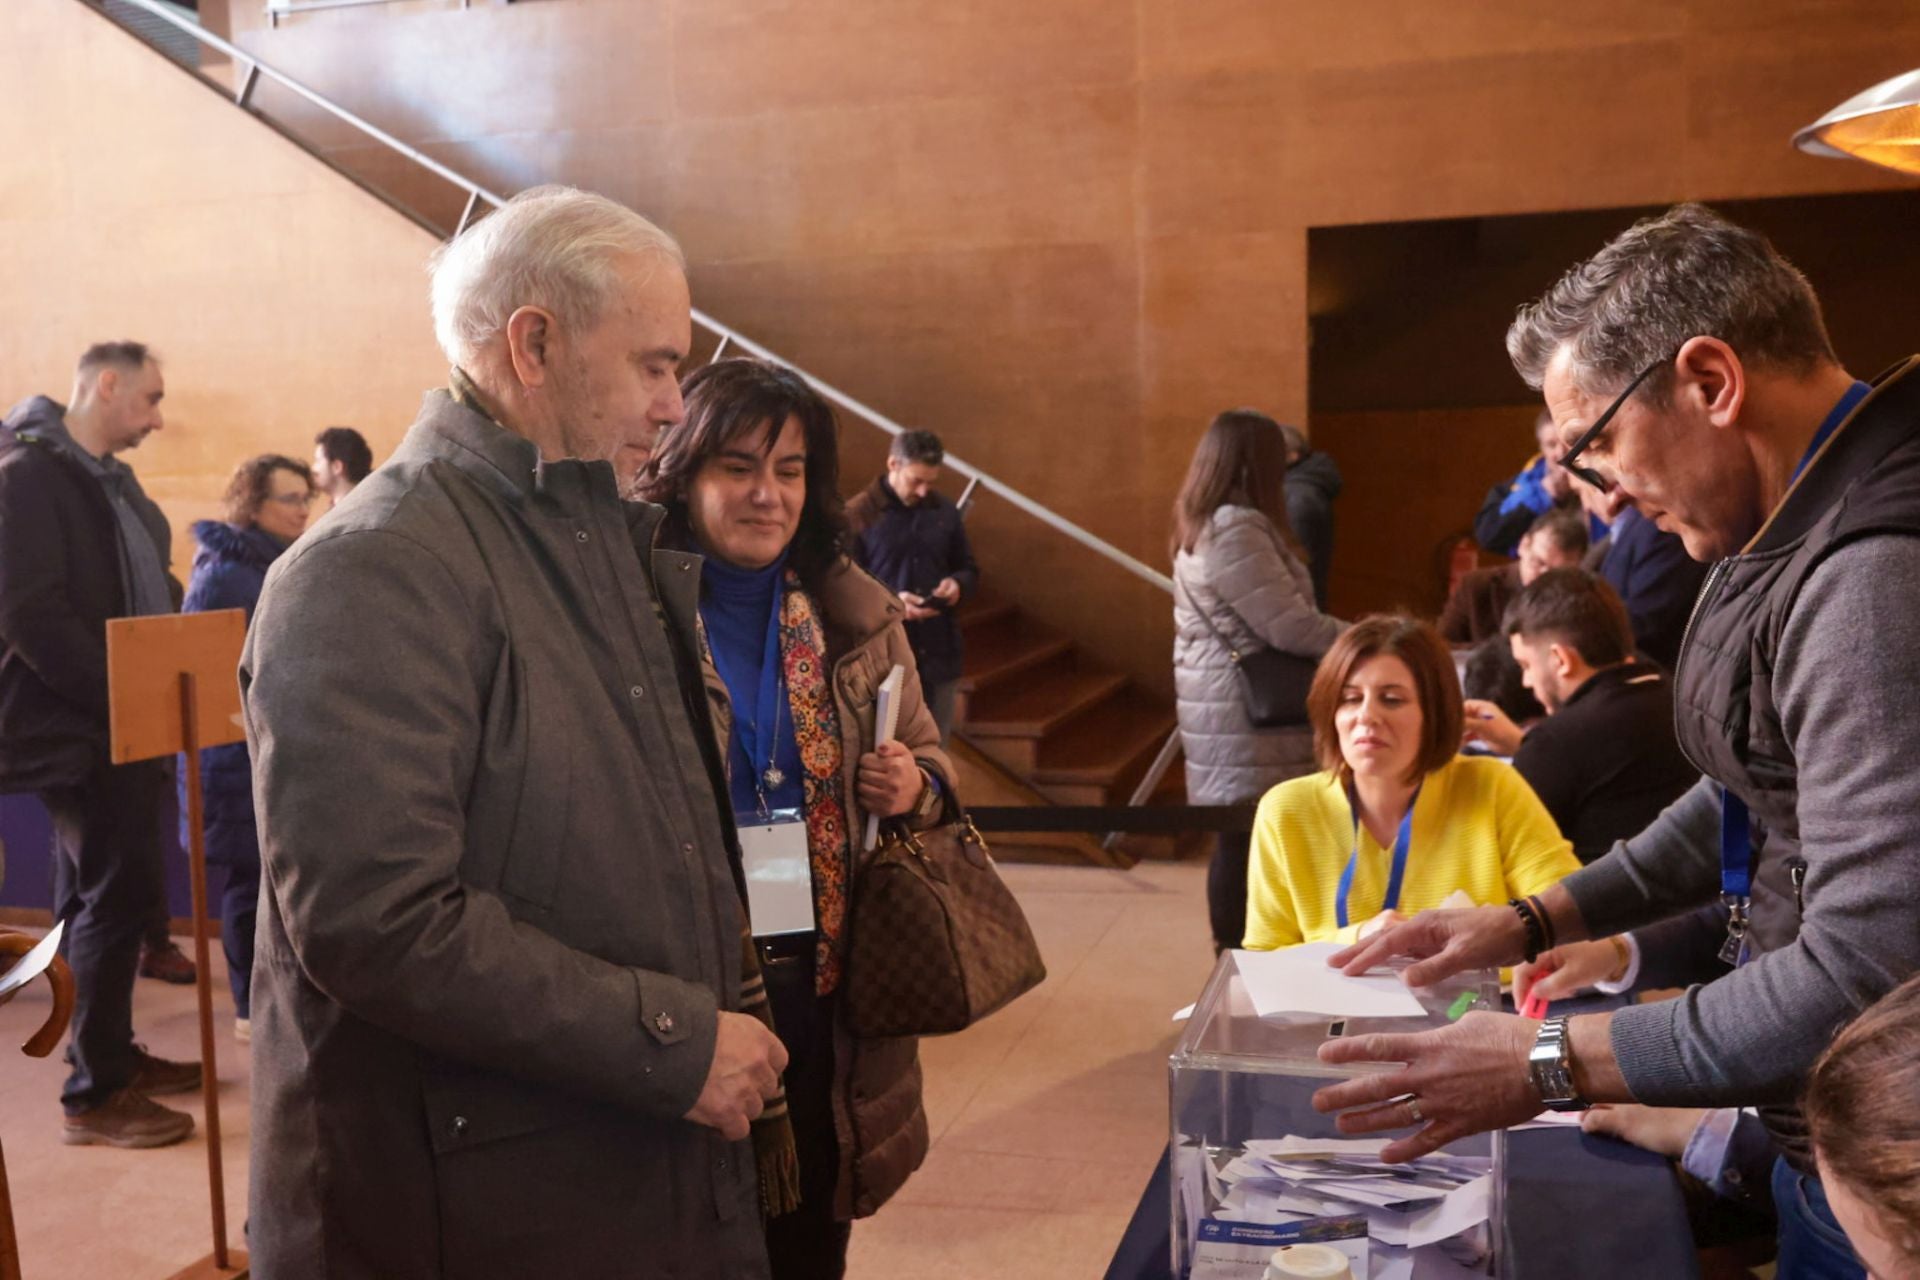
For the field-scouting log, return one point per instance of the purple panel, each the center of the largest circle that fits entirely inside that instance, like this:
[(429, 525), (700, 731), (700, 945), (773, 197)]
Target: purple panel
[(28, 838)]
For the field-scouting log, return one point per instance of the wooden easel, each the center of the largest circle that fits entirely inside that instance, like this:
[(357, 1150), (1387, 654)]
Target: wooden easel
[(39, 1046), (172, 689)]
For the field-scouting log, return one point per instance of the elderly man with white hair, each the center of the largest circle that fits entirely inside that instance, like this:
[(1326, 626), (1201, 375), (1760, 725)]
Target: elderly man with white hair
[(497, 1025)]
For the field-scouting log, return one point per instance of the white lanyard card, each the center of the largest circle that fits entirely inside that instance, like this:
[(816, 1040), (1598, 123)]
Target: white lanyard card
[(773, 851)]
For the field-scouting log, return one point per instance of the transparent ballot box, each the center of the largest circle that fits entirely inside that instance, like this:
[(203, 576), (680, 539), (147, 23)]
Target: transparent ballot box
[(1266, 1188)]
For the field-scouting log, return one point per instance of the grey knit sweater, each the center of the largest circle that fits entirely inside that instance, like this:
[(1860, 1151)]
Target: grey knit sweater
[(1848, 682)]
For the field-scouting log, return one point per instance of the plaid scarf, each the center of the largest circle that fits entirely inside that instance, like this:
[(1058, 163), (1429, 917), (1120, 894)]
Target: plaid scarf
[(773, 1146)]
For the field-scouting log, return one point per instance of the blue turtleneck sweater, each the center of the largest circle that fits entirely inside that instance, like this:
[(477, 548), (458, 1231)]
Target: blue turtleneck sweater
[(737, 606)]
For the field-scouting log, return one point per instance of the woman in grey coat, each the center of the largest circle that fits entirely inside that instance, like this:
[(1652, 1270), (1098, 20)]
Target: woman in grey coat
[(1235, 558)]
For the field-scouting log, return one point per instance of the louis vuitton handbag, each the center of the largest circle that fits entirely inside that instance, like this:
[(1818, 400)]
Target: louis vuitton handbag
[(935, 940)]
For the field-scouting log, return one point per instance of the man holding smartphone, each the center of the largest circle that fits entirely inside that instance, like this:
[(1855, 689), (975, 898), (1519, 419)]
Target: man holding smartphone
[(915, 541)]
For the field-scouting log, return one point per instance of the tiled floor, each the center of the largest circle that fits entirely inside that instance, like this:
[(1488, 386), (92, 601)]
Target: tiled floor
[(94, 1212), (1046, 1118)]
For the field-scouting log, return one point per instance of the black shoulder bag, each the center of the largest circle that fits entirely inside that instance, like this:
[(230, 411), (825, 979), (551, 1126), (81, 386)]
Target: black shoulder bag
[(1273, 684)]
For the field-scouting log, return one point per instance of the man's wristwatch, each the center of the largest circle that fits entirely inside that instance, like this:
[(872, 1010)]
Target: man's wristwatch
[(1551, 1066)]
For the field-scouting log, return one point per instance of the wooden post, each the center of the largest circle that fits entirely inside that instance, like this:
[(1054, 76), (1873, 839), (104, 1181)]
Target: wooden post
[(171, 688), (42, 1044), (9, 1239), (203, 980)]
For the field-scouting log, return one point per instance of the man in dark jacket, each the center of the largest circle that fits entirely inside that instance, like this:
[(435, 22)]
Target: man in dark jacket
[(1313, 482), (1656, 579), (1478, 606), (341, 460), (1604, 761), (498, 988), (915, 541), (1688, 366), (80, 543)]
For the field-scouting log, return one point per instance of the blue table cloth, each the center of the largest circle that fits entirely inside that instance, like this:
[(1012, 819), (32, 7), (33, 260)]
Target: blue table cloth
[(1579, 1207)]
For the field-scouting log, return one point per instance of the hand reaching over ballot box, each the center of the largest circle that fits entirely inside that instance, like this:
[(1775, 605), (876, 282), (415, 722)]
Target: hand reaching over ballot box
[(1462, 1079), (1446, 942), (1443, 942), (1467, 1078)]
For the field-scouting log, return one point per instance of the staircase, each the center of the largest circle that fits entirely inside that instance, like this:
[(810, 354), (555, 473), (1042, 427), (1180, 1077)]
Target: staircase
[(1045, 720), (1073, 730)]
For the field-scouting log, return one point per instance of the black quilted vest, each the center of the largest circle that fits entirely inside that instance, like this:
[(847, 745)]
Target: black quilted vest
[(1865, 480)]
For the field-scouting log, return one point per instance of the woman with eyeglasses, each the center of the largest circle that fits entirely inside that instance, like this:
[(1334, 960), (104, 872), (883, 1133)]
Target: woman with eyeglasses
[(266, 509), (1397, 820)]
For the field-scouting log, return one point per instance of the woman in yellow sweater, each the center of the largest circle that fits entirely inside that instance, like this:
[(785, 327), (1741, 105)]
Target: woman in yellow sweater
[(1397, 819)]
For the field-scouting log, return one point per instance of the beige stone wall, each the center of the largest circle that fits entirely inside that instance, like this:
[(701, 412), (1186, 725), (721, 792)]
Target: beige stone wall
[(136, 203)]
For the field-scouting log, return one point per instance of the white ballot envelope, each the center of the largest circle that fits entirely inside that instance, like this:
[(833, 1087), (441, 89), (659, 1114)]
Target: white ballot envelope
[(773, 853)]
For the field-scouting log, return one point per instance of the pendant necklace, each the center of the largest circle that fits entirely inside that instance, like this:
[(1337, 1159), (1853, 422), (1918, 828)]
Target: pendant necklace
[(773, 775)]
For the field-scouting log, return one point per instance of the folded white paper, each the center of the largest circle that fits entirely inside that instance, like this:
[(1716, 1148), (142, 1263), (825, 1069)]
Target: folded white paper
[(1459, 1211), (1297, 980)]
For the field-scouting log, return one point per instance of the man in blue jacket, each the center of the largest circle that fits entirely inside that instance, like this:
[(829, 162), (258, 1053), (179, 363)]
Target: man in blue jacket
[(81, 543), (915, 541), (1656, 579), (1511, 507)]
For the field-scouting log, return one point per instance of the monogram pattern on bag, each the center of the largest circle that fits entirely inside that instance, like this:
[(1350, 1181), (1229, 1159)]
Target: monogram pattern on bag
[(938, 941)]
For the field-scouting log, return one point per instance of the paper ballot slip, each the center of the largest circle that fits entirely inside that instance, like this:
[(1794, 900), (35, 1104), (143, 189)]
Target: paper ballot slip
[(1297, 980), (886, 719)]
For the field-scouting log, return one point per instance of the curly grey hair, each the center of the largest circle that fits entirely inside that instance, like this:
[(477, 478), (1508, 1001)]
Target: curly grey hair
[(1687, 273)]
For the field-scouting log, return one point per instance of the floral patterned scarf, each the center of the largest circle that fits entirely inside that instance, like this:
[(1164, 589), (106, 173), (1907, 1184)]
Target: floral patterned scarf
[(816, 729)]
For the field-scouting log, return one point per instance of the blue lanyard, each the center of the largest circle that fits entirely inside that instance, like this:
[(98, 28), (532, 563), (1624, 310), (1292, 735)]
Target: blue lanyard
[(754, 734), (1736, 823), (1402, 844), (1837, 415), (1736, 846)]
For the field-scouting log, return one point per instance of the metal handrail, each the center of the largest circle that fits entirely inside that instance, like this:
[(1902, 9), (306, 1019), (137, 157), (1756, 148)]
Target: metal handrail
[(728, 336), (874, 417), (277, 9), (257, 68)]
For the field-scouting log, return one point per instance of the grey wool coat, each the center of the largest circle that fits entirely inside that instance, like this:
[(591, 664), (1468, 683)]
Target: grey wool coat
[(1260, 596), (499, 910)]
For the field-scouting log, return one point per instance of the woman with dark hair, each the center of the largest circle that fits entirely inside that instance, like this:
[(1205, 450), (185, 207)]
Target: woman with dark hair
[(1239, 580), (266, 509), (1396, 821), (797, 641)]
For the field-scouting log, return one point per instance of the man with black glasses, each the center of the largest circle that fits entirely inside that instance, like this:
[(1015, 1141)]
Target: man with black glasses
[(1689, 368)]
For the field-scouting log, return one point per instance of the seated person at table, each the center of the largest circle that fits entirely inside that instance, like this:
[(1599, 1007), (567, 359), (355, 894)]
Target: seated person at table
[(1605, 762), (1556, 540), (1489, 675), (1396, 820)]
